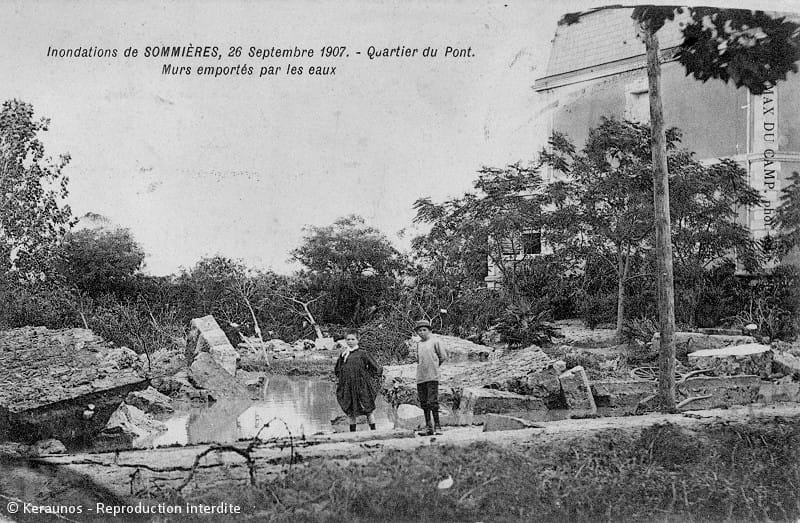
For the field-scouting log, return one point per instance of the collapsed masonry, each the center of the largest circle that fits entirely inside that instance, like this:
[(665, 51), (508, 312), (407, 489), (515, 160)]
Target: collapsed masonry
[(528, 384), (62, 384)]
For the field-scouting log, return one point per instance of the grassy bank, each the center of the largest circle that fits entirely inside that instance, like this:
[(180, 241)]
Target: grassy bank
[(726, 472)]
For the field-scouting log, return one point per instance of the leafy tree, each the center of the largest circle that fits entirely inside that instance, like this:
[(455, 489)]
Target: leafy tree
[(353, 264), (99, 261), (33, 216), (601, 213), (789, 216), (486, 223), (603, 210), (749, 48)]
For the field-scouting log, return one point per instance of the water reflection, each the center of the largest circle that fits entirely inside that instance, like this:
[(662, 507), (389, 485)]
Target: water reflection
[(306, 405)]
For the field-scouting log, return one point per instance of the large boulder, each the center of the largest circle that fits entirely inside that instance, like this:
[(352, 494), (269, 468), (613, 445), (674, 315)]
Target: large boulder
[(131, 423), (150, 401), (750, 358), (205, 373), (206, 336)]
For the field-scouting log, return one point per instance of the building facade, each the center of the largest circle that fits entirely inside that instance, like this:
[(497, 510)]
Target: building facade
[(597, 68)]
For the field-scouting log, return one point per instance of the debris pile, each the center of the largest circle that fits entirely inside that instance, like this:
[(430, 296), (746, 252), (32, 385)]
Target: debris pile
[(51, 379)]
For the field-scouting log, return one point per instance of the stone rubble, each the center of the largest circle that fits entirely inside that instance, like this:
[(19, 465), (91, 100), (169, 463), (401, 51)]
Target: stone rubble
[(48, 379), (128, 422), (577, 391), (686, 342), (206, 336), (750, 358), (150, 401), (206, 374)]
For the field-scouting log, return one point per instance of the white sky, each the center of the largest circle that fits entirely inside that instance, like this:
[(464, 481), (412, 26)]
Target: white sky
[(237, 166)]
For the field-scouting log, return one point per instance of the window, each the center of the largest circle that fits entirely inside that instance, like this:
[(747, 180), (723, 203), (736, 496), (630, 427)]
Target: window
[(532, 243), (637, 101), (527, 243)]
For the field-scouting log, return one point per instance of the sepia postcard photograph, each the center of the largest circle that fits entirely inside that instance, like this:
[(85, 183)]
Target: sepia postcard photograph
[(399, 261)]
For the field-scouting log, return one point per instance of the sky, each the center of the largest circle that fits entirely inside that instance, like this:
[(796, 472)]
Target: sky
[(198, 166)]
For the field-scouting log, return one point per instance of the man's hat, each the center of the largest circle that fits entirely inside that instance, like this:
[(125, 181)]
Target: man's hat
[(420, 324)]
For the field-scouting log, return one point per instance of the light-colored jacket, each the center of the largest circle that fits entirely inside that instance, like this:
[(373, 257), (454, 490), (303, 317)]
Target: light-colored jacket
[(430, 355)]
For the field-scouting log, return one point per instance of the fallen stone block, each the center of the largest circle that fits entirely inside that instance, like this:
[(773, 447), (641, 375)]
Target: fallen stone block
[(621, 394), (497, 422), (150, 401), (48, 378), (724, 391), (577, 391), (131, 423), (751, 358), (482, 401), (163, 362), (206, 336), (686, 342), (786, 363), (205, 373), (48, 446), (784, 389), (529, 372)]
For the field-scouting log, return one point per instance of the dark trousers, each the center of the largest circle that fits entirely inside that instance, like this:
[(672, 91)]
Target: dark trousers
[(429, 395)]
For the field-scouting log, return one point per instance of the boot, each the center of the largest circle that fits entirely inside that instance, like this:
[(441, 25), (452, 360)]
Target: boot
[(428, 430), (352, 428), (437, 428)]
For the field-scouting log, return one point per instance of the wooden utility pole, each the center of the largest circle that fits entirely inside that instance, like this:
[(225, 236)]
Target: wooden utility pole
[(666, 291)]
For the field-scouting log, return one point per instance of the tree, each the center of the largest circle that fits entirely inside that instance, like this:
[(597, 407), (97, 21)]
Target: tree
[(352, 263), (749, 48), (33, 216), (789, 216), (488, 223), (99, 261), (603, 210)]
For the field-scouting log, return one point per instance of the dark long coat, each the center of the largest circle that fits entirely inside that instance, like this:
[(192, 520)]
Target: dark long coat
[(356, 387)]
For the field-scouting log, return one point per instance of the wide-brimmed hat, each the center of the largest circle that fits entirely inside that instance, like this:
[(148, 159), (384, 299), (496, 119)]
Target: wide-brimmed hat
[(421, 323)]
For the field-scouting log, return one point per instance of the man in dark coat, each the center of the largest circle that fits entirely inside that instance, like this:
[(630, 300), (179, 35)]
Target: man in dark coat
[(356, 375)]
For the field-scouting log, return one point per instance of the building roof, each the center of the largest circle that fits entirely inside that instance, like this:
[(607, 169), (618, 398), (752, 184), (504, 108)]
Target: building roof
[(602, 36), (608, 36)]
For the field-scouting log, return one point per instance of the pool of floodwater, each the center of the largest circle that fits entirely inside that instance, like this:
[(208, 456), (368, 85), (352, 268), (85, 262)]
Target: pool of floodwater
[(300, 405)]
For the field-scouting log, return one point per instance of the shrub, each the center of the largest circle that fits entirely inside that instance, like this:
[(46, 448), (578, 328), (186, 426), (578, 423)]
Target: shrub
[(385, 340)]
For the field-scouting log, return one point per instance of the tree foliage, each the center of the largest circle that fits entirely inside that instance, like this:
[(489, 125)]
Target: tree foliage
[(748, 48), (485, 224), (33, 216), (789, 216), (99, 261), (353, 264)]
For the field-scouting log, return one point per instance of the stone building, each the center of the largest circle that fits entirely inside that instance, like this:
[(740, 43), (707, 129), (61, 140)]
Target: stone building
[(597, 67)]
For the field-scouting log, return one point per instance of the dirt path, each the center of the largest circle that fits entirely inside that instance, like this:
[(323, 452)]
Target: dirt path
[(147, 472)]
